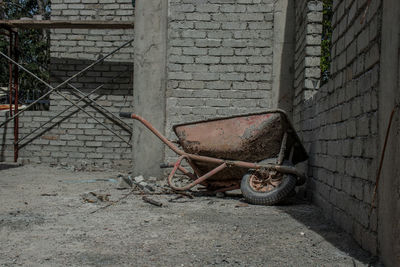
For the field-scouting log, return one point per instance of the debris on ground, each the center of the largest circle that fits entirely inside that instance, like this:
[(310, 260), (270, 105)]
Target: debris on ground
[(93, 197), (220, 194), (113, 202), (204, 231), (241, 205), (49, 194), (152, 201), (88, 181), (124, 182)]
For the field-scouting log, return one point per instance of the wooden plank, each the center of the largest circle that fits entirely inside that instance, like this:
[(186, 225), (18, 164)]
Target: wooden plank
[(66, 24)]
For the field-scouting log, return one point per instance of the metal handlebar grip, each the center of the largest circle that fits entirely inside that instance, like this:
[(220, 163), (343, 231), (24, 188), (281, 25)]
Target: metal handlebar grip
[(125, 115), (164, 165)]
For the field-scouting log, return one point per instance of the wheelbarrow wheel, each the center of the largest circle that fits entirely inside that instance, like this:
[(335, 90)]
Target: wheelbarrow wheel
[(259, 191)]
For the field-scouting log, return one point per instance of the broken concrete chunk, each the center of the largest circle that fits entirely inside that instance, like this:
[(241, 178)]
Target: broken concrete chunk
[(138, 179), (220, 194), (124, 183)]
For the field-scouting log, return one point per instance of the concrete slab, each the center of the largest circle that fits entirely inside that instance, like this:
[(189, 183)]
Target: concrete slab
[(45, 222)]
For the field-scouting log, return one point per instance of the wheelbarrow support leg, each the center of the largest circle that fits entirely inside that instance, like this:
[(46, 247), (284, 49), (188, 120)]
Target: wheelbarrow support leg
[(182, 169), (197, 181), (283, 149)]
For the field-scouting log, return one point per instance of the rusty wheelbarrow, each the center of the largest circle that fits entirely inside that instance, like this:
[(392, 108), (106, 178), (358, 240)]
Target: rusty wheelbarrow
[(253, 152)]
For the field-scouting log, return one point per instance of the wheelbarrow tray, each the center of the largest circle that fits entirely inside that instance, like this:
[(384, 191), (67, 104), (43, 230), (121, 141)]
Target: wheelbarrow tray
[(250, 138)]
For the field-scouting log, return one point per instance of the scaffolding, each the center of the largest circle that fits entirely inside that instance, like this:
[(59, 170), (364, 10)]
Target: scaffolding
[(10, 29)]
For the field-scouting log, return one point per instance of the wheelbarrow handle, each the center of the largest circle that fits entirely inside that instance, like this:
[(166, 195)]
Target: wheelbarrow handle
[(125, 115), (147, 124)]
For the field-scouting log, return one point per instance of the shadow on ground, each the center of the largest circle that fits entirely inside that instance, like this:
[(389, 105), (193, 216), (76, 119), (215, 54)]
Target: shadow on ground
[(5, 166), (305, 212)]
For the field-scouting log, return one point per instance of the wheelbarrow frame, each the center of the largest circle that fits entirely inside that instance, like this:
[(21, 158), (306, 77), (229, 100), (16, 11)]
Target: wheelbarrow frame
[(221, 163)]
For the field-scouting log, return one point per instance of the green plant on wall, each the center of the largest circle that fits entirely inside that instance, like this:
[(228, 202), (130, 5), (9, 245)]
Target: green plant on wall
[(33, 45), (326, 41)]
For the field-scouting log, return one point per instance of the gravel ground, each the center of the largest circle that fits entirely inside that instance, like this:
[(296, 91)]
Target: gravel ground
[(47, 219)]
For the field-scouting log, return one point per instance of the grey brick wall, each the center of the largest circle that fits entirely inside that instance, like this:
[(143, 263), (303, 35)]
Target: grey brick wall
[(79, 138), (76, 141), (219, 58), (338, 122), (308, 49)]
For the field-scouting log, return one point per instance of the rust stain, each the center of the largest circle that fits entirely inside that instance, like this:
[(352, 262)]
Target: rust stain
[(243, 138), (250, 138)]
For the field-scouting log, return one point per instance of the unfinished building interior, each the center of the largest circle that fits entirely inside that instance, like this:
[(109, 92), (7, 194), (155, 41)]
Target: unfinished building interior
[(194, 60)]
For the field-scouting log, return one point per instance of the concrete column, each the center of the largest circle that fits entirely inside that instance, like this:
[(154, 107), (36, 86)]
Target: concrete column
[(282, 87), (149, 84), (389, 93)]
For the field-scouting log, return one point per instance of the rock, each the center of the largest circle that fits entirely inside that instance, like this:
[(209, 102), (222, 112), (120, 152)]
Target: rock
[(241, 204), (150, 188), (138, 179), (124, 183), (152, 179), (220, 194), (143, 184), (90, 198)]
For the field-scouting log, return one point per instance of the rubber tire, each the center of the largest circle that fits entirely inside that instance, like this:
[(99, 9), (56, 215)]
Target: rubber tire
[(267, 198)]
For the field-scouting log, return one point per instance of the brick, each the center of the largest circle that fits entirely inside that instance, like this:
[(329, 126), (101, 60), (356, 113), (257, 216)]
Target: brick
[(194, 34), (59, 154), (208, 43), (181, 59), (221, 52), (258, 76), (233, 8), (233, 25), (259, 60), (260, 25), (220, 85), (192, 84), (218, 102), (233, 60), (180, 75), (198, 16), (207, 25), (94, 156), (222, 68), (207, 60), (193, 51), (91, 132), (357, 188), (219, 34), (205, 76), (232, 77), (76, 6)]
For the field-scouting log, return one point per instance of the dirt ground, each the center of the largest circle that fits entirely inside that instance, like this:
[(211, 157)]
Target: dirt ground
[(45, 221)]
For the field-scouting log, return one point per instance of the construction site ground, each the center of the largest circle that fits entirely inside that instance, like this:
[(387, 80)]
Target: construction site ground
[(48, 218)]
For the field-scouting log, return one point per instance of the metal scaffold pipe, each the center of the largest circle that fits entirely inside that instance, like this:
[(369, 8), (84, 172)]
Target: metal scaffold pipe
[(61, 84), (59, 114)]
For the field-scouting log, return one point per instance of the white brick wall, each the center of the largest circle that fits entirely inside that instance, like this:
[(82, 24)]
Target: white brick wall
[(338, 122), (89, 43), (219, 59)]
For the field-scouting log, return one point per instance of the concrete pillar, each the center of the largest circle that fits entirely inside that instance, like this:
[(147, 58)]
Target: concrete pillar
[(282, 87), (149, 84), (389, 93)]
